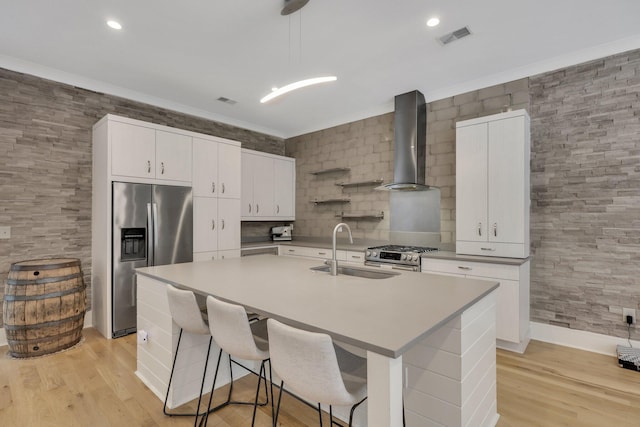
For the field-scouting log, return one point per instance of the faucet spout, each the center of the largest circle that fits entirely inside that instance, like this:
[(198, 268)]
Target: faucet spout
[(334, 262)]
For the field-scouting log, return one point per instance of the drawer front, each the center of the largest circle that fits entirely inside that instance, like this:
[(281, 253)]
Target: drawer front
[(472, 269), (303, 251), (353, 256), (506, 250)]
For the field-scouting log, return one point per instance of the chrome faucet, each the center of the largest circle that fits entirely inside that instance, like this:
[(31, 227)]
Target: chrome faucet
[(333, 263)]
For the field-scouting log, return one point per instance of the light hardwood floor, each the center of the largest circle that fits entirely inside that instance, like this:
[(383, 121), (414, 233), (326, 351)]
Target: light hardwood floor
[(94, 385)]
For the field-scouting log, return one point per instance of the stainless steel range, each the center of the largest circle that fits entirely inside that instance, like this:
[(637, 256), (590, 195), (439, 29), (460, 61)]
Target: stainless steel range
[(396, 256)]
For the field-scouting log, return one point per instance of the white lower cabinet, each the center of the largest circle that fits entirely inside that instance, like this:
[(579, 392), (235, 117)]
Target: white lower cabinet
[(512, 310), (353, 257)]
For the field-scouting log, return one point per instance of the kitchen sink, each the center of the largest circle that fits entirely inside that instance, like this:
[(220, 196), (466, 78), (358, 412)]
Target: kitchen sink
[(366, 273)]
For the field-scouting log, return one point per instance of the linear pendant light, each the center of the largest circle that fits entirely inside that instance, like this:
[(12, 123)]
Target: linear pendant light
[(297, 85)]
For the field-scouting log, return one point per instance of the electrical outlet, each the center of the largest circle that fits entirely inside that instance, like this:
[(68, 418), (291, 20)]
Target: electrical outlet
[(629, 312), (5, 232)]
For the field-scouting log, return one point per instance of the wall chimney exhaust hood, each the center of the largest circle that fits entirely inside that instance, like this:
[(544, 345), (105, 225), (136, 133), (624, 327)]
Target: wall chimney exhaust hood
[(410, 143)]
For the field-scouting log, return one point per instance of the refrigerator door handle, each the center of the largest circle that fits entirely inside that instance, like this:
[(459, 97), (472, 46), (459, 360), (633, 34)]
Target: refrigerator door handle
[(155, 231), (134, 289), (150, 236)]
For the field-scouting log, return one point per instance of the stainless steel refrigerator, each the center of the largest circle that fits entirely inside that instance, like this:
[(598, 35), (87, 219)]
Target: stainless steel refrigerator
[(152, 225)]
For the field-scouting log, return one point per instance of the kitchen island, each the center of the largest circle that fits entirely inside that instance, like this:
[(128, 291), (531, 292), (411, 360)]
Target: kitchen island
[(437, 332)]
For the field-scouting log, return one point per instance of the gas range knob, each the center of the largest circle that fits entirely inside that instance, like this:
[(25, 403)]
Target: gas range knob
[(374, 254), (404, 257), (415, 257), (368, 253)]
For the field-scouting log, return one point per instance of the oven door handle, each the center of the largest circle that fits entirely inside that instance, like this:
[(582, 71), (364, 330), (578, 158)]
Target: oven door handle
[(393, 266)]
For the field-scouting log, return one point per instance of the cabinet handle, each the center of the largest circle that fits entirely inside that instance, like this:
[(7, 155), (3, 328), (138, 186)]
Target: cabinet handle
[(257, 208), (464, 268), (162, 168), (479, 229), (148, 166), (223, 188), (223, 224), (487, 249), (291, 250), (249, 207), (213, 224), (277, 209), (322, 253), (495, 229), (213, 187), (356, 256)]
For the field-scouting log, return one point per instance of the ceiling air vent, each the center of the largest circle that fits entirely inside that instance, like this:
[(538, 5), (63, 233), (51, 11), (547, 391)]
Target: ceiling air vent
[(456, 35), (227, 100)]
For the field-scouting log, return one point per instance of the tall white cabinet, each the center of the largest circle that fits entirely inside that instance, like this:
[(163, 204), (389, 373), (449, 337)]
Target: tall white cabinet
[(216, 198), (128, 150), (492, 185), (268, 187), (492, 216)]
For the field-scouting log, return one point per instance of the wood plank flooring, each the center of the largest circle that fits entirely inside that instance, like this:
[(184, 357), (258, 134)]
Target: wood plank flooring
[(94, 385)]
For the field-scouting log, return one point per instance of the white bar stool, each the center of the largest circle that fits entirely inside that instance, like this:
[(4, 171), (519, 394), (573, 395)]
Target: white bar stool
[(315, 369), (186, 314), (239, 338)]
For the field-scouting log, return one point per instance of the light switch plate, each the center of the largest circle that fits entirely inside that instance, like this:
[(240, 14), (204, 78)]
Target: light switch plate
[(5, 232)]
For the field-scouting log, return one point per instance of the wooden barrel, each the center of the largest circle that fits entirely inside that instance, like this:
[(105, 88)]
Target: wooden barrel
[(44, 306)]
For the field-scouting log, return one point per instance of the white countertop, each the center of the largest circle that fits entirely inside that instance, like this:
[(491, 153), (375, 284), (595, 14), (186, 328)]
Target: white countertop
[(386, 316)]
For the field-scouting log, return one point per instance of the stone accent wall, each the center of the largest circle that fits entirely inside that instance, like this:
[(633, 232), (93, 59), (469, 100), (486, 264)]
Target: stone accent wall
[(442, 116), (45, 163), (364, 146), (585, 175)]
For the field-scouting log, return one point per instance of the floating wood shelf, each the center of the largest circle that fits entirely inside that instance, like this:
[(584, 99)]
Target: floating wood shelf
[(368, 217), (360, 183), (329, 201), (332, 170)]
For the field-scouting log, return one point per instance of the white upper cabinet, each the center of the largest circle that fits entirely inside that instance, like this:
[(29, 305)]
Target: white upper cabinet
[(492, 185), (133, 150), (143, 152), (216, 201), (229, 167), (173, 156), (284, 187), (268, 187)]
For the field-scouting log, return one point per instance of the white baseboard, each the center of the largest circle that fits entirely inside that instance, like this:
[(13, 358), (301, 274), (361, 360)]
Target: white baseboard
[(87, 324), (583, 340)]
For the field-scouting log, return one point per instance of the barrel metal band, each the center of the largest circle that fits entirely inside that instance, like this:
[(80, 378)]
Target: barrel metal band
[(42, 281), (44, 324), (19, 266), (44, 296)]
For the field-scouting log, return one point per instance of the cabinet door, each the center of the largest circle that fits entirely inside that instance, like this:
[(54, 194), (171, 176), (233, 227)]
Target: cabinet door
[(263, 186), (284, 188), (173, 156), (506, 180), (508, 311), (205, 224), (132, 150), (471, 183), (205, 168), (229, 224), (229, 167), (247, 207)]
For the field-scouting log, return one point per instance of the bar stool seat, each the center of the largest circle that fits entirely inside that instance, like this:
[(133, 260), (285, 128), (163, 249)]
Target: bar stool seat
[(315, 369), (241, 338), (186, 314)]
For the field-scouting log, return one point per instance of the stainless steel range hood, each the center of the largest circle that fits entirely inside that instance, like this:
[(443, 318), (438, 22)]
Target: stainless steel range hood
[(410, 144), (410, 132)]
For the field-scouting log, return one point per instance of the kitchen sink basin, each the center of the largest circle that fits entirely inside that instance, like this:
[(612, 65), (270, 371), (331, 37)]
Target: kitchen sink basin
[(366, 273)]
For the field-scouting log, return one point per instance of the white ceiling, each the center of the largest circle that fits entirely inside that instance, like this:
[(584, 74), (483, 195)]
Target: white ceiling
[(184, 54)]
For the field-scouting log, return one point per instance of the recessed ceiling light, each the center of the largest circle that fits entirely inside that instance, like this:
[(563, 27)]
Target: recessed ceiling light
[(432, 22), (114, 24), (297, 85)]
